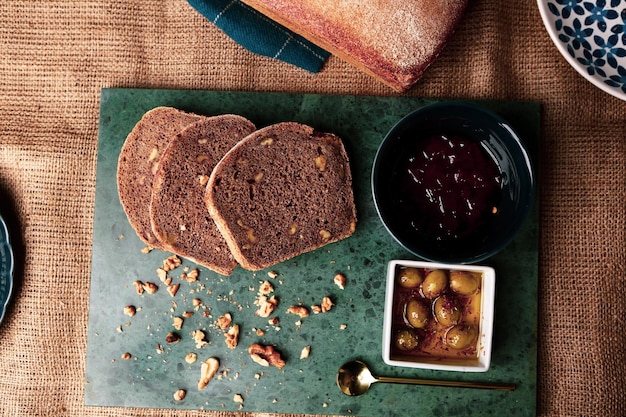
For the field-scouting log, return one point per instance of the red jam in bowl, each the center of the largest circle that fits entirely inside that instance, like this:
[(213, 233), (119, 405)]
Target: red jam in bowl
[(448, 187)]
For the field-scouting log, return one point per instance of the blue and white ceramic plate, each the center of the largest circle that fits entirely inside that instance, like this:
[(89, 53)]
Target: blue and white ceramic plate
[(6, 268), (591, 35)]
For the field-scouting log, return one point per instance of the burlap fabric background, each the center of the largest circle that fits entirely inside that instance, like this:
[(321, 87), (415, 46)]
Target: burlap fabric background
[(56, 55)]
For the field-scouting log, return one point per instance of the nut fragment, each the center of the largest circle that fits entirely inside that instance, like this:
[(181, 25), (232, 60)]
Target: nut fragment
[(320, 162), (298, 310), (138, 287), (191, 357), (150, 287), (126, 356), (267, 141), (325, 235), (162, 274), (180, 394), (238, 398), (224, 321), (172, 338), (266, 306), (173, 289), (199, 338), (340, 280), (130, 310), (305, 352), (266, 355), (232, 336), (265, 288), (178, 323), (171, 263), (327, 304), (207, 372), (192, 275)]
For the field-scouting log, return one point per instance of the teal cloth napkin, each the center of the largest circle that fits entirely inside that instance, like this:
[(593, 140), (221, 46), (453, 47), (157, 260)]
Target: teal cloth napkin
[(259, 34)]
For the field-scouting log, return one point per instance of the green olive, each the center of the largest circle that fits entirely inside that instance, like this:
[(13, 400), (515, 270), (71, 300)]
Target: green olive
[(446, 311), (417, 313), (461, 336), (409, 277), (406, 339), (464, 282), (435, 283)]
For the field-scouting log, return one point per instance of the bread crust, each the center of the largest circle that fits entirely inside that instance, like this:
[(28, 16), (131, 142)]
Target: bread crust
[(392, 40), (138, 162), (280, 192), (178, 214)]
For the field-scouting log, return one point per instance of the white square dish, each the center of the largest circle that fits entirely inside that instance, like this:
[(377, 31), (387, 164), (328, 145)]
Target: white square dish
[(474, 358)]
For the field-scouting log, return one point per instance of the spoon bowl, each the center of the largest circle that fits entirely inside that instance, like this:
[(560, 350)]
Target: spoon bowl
[(355, 378)]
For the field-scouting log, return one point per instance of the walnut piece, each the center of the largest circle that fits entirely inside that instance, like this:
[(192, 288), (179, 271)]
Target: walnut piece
[(266, 305), (130, 310), (150, 287), (340, 281), (207, 372), (224, 321), (178, 323), (232, 336), (191, 357), (266, 355), (171, 262), (298, 310), (173, 289), (305, 352), (199, 338), (327, 304), (172, 338), (180, 394)]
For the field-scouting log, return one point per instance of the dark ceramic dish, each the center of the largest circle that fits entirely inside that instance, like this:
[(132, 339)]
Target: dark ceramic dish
[(446, 233)]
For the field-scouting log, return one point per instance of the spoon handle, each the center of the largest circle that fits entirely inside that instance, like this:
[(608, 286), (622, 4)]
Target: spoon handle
[(463, 384)]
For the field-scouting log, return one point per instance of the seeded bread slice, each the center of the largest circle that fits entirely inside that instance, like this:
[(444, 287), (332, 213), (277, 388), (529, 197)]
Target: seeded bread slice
[(139, 160), (282, 191), (178, 214)]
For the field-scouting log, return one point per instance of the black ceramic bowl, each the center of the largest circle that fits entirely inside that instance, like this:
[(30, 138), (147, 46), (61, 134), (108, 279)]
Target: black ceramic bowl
[(453, 183)]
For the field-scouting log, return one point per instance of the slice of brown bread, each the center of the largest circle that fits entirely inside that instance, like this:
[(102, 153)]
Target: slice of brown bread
[(282, 191), (178, 214), (138, 162)]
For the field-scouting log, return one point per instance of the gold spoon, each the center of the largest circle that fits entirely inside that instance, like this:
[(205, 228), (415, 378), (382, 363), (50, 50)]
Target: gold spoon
[(355, 378)]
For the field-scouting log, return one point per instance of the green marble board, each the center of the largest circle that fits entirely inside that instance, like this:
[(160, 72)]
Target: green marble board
[(150, 378)]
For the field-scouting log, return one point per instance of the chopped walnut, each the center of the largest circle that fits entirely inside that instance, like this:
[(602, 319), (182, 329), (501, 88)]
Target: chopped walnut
[(265, 288), (192, 275), (180, 394), (138, 287), (172, 338), (173, 289), (320, 162), (316, 309), (272, 274), (232, 336), (126, 356), (130, 310), (150, 287), (199, 338), (207, 372), (187, 314), (325, 235), (171, 263), (238, 398), (340, 281), (224, 321), (191, 358), (298, 310), (266, 306), (327, 304), (266, 355), (162, 274), (178, 323), (305, 352)]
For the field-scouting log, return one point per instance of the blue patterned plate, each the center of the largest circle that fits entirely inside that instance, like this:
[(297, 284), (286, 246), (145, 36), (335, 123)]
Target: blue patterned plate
[(591, 35), (6, 268)]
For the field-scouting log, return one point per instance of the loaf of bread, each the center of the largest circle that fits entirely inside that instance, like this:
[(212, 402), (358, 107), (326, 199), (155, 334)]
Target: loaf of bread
[(178, 214), (139, 161), (392, 40), (282, 191)]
